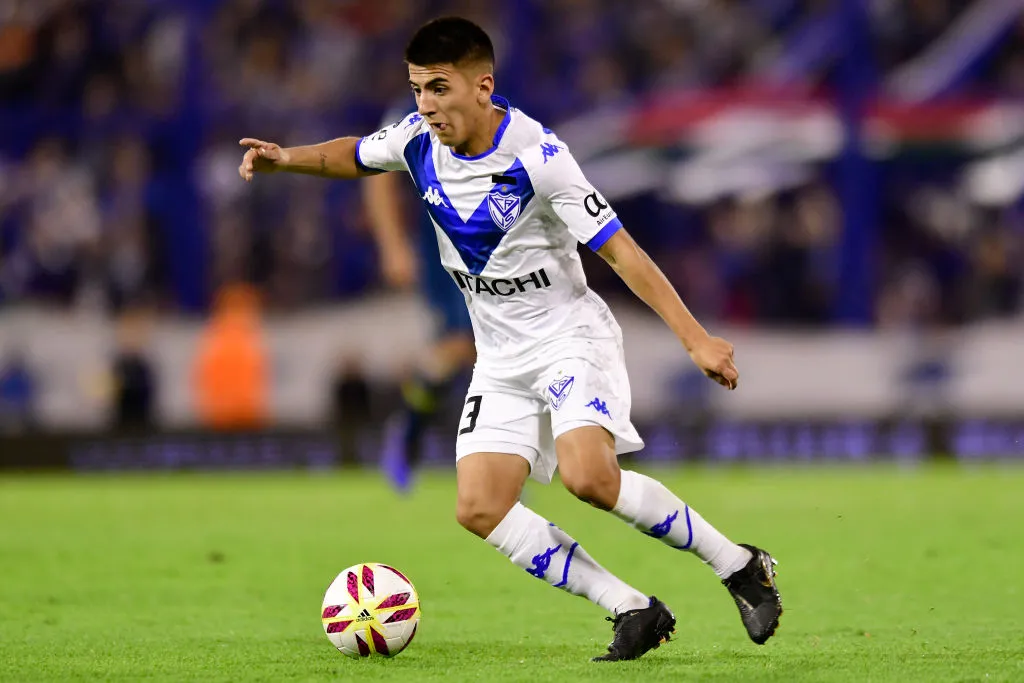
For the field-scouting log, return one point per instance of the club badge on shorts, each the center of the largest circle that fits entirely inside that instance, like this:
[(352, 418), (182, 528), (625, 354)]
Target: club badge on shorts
[(559, 390)]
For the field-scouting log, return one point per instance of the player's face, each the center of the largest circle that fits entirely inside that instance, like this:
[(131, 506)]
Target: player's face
[(450, 98)]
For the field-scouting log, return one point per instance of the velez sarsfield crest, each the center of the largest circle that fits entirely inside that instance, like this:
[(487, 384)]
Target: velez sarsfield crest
[(504, 208)]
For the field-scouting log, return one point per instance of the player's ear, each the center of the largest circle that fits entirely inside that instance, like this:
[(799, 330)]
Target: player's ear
[(484, 87)]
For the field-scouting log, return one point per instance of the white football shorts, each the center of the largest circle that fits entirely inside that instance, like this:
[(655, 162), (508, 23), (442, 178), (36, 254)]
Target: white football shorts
[(523, 409)]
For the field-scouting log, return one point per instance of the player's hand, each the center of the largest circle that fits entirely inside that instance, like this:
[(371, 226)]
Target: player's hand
[(260, 157), (399, 267), (714, 356)]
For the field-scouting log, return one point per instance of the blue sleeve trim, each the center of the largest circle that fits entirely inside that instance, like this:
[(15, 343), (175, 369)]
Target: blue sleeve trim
[(598, 240), (361, 165)]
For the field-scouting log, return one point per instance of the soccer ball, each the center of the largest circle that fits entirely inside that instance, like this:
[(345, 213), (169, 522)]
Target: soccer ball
[(371, 609)]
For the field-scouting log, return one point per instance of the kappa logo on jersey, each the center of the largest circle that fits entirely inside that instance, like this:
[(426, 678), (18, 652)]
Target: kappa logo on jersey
[(559, 390), (549, 150), (433, 197), (500, 286), (415, 118), (504, 207)]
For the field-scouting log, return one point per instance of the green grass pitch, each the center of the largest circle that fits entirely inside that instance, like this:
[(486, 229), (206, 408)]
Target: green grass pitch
[(887, 574)]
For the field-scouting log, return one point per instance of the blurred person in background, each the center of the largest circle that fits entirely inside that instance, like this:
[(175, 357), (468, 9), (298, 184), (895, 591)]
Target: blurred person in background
[(133, 378), (995, 284), (415, 262), (351, 408), (231, 377), (409, 259)]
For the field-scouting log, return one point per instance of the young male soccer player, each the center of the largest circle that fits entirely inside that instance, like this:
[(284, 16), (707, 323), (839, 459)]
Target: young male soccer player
[(407, 261), (549, 389)]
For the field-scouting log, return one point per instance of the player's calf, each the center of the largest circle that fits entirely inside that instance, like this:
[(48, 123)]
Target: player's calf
[(651, 508), (548, 553)]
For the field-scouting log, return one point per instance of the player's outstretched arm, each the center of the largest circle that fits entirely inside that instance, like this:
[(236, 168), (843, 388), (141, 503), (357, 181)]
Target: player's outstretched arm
[(713, 355), (332, 159)]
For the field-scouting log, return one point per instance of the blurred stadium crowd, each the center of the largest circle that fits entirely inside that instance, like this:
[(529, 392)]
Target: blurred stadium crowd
[(120, 118)]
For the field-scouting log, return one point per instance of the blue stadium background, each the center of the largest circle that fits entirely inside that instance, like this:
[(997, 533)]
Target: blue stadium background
[(791, 164)]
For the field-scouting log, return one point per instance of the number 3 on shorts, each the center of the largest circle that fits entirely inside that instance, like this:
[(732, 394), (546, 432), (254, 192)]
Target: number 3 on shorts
[(473, 404)]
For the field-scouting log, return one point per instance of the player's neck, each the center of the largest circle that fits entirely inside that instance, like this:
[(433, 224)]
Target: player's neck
[(484, 140)]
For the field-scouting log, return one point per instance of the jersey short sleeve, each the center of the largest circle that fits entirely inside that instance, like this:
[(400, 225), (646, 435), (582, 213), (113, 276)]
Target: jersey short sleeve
[(385, 149), (558, 179)]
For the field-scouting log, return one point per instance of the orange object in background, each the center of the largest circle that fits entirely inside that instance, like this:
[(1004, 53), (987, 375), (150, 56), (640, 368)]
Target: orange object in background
[(231, 374)]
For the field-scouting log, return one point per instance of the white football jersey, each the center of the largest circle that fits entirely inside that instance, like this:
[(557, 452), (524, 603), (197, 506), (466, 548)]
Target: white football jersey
[(508, 222)]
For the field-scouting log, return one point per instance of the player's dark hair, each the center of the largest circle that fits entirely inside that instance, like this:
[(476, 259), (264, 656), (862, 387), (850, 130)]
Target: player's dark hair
[(449, 40)]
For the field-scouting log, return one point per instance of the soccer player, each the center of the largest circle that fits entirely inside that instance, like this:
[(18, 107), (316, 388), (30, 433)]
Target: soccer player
[(406, 262), (549, 388)]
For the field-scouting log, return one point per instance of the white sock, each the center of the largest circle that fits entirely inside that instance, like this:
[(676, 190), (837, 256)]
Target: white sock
[(548, 553), (653, 509)]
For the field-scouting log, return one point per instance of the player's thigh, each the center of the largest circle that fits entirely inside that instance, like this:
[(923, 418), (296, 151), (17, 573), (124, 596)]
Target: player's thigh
[(496, 450), (589, 400), (498, 417), (489, 484)]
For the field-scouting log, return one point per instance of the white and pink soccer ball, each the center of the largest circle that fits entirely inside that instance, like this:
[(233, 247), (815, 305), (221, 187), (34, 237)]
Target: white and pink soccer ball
[(371, 609)]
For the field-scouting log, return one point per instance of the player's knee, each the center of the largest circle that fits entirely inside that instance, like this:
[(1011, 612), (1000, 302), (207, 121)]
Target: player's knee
[(598, 486), (479, 515)]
